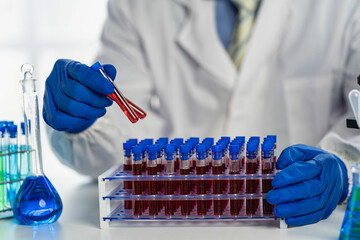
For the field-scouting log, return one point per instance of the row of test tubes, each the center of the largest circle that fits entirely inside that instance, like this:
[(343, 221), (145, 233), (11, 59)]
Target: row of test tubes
[(198, 176), (14, 162)]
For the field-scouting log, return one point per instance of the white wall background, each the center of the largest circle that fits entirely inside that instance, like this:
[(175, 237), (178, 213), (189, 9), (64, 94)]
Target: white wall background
[(40, 32)]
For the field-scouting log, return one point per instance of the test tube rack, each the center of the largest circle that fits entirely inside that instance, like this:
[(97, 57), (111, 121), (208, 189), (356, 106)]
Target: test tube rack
[(127, 198), (10, 182)]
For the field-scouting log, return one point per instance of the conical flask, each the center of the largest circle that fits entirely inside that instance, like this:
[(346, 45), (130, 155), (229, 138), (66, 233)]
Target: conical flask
[(351, 225), (37, 201)]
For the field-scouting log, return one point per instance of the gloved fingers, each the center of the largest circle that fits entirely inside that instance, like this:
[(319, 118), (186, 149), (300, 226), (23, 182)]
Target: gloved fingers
[(303, 190), (305, 219), (296, 153), (72, 107), (59, 120), (110, 70), (296, 173), (301, 207), (89, 77), (81, 93)]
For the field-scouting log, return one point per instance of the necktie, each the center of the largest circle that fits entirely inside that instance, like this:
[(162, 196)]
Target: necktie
[(243, 28)]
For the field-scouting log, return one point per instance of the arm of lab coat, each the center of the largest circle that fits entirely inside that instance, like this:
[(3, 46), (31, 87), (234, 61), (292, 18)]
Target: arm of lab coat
[(344, 142), (99, 147)]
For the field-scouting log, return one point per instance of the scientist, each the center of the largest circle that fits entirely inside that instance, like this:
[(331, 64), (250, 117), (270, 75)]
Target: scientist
[(210, 68)]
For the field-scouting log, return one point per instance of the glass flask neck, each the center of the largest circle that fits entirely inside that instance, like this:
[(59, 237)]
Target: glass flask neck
[(32, 124)]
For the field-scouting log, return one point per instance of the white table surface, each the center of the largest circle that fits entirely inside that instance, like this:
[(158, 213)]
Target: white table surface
[(80, 220)]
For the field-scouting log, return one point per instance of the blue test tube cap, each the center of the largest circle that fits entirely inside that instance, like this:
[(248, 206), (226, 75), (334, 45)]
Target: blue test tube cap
[(12, 130), (137, 152), (272, 137), (22, 126), (180, 141), (234, 148), (149, 141), (133, 141), (96, 66), (216, 149), (266, 146), (201, 148), (170, 148), (184, 148), (127, 146)]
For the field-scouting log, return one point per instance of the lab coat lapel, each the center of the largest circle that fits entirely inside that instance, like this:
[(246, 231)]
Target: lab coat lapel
[(198, 38), (270, 28)]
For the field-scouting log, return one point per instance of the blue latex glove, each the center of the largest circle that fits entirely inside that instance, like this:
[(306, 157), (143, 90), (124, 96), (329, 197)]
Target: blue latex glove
[(75, 95), (310, 185)]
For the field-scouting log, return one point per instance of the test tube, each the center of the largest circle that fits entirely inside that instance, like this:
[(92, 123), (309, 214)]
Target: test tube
[(217, 169), (13, 161), (235, 184), (2, 172), (131, 111), (273, 138), (137, 186), (170, 205), (152, 170), (185, 184), (201, 170), (267, 159), (252, 185)]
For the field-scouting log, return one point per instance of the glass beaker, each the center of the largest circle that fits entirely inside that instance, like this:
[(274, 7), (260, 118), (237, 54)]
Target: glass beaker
[(37, 201), (351, 225)]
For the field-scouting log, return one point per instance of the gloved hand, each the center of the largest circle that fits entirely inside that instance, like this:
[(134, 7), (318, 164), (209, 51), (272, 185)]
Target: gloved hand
[(310, 185), (75, 95)]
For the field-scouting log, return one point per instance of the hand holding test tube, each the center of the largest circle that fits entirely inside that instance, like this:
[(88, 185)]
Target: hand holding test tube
[(132, 111)]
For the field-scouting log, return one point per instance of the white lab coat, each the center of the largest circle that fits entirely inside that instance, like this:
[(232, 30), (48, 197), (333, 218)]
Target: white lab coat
[(302, 60)]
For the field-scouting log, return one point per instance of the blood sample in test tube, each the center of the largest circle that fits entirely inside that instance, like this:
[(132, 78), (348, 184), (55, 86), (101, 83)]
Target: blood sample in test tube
[(201, 184), (217, 169), (169, 186), (152, 171), (235, 184), (137, 186), (185, 183)]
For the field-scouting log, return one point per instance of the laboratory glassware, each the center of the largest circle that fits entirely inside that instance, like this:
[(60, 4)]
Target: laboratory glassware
[(132, 111), (351, 225), (37, 201)]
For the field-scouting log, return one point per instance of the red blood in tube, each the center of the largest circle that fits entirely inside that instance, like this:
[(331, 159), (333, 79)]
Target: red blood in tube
[(137, 189), (252, 185), (217, 189), (201, 189), (235, 206), (251, 206), (127, 167), (130, 115), (268, 209)]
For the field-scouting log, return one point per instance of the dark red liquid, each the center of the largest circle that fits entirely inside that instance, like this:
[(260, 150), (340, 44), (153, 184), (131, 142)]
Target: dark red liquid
[(201, 189), (170, 207), (268, 209), (218, 186), (137, 184), (236, 206), (128, 204), (251, 206), (252, 185), (177, 163), (138, 111), (128, 111), (143, 166), (252, 167), (138, 208), (185, 186), (266, 185), (127, 167), (152, 184), (236, 186)]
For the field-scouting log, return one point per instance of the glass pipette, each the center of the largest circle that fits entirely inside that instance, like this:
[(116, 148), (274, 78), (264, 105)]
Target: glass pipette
[(132, 111)]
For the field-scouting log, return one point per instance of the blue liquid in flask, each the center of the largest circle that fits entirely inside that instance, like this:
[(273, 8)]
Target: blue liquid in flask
[(37, 202), (351, 225)]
